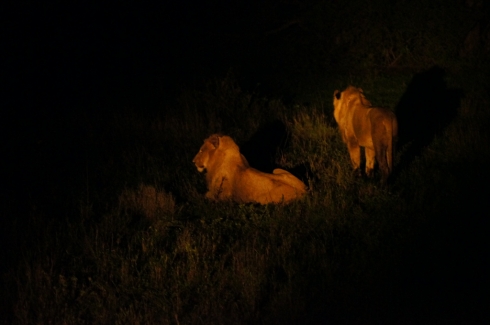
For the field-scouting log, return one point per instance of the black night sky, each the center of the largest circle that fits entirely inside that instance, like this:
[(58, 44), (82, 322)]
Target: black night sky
[(82, 54), (66, 61)]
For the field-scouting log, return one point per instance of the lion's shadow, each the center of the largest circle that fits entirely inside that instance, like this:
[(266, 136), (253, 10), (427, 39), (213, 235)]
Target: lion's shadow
[(261, 149), (424, 110)]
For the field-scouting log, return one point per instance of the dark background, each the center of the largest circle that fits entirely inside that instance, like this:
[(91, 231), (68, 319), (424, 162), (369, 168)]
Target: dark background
[(67, 67), (84, 55)]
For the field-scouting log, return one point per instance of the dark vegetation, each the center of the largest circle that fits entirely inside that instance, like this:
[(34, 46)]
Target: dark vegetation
[(103, 215)]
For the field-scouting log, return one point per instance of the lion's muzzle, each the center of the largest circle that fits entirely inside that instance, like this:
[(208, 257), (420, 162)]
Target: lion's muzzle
[(198, 163)]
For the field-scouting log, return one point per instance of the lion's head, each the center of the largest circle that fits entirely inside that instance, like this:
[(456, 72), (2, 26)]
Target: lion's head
[(344, 100), (206, 152), (214, 150)]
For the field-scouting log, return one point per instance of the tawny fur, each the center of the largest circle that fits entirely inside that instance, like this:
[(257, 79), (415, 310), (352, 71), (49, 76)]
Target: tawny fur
[(229, 176), (362, 125)]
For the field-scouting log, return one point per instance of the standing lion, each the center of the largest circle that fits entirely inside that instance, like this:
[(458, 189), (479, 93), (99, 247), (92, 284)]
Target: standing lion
[(229, 175), (362, 125)]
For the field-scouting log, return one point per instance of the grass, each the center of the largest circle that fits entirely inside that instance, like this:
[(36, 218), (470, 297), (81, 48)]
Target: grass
[(146, 247)]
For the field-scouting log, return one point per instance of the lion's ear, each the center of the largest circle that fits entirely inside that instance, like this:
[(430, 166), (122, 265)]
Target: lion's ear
[(214, 139), (360, 90), (336, 94)]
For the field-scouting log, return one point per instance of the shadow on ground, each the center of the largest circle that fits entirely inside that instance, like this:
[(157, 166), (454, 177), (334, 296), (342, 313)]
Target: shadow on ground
[(424, 110), (261, 150)]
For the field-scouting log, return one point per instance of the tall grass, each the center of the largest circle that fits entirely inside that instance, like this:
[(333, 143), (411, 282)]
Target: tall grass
[(146, 247), (139, 244), (157, 252)]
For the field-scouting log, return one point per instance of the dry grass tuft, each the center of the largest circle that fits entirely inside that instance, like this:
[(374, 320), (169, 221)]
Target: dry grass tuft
[(148, 201)]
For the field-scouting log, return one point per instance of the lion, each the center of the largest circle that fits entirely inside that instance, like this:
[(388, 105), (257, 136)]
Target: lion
[(230, 177), (362, 125)]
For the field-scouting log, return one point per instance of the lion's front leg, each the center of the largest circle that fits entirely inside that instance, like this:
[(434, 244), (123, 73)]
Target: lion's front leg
[(211, 196), (219, 189), (355, 156)]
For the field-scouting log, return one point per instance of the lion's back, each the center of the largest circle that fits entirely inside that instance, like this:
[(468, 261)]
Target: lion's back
[(255, 186)]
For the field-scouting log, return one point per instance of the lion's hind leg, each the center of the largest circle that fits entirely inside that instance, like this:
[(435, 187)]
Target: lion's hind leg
[(370, 161), (279, 171), (381, 157), (289, 179)]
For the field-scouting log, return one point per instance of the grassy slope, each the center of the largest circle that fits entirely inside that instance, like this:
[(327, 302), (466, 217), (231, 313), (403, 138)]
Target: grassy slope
[(146, 247), (138, 243)]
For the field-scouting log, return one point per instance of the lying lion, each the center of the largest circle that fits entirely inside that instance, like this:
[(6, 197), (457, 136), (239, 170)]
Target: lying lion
[(362, 125), (229, 175)]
